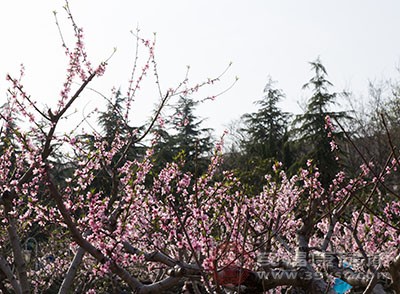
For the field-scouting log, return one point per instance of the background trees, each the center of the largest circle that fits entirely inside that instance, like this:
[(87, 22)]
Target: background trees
[(270, 136)]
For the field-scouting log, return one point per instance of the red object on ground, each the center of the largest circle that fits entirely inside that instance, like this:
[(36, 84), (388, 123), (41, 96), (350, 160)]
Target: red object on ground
[(231, 275)]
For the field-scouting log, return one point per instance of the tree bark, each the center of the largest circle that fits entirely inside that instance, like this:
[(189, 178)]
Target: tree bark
[(16, 244), (71, 273)]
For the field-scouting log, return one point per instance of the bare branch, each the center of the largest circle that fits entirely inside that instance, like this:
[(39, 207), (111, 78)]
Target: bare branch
[(5, 268), (394, 269), (71, 273), (15, 243), (134, 283)]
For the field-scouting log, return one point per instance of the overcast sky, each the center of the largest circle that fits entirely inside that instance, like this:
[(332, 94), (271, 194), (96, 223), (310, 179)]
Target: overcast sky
[(357, 40)]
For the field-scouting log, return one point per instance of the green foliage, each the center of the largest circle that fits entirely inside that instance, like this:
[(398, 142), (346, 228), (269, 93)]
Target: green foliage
[(8, 131), (266, 140), (312, 137), (267, 128), (184, 140), (112, 120)]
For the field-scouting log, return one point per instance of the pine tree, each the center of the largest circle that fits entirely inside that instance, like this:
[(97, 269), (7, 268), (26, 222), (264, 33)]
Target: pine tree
[(112, 120), (267, 128), (113, 125), (185, 140), (8, 128), (313, 138), (267, 139)]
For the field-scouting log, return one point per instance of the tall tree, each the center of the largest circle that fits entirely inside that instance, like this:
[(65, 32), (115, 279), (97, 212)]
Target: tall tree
[(313, 136), (6, 130), (185, 139), (267, 136), (114, 127), (267, 128), (112, 120)]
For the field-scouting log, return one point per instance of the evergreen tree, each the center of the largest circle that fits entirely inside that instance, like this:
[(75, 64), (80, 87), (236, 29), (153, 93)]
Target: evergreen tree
[(8, 128), (164, 149), (112, 121), (113, 125), (313, 139), (267, 128), (267, 139), (185, 140)]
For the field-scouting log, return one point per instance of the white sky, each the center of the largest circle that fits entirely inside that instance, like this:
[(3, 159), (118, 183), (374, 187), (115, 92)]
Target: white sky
[(357, 40)]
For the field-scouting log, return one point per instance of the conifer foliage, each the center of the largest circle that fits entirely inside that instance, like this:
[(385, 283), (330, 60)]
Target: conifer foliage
[(183, 139), (267, 128), (313, 137), (266, 140)]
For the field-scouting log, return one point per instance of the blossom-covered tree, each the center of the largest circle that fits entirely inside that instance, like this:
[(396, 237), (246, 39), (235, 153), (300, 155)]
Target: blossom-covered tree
[(153, 232)]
